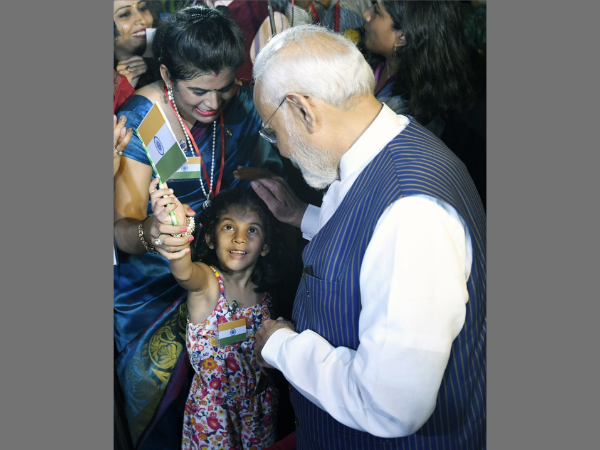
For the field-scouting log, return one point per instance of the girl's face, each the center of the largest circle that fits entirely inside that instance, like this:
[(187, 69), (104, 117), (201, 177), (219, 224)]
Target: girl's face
[(132, 19), (380, 36), (203, 98), (239, 239)]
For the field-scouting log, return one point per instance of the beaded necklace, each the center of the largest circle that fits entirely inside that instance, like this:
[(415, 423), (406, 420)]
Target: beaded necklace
[(192, 144)]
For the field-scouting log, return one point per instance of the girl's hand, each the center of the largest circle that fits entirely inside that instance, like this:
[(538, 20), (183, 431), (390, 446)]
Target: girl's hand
[(132, 68), (163, 202), (121, 140)]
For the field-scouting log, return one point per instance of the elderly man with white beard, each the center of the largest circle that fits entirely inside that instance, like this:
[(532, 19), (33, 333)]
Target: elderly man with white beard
[(388, 349)]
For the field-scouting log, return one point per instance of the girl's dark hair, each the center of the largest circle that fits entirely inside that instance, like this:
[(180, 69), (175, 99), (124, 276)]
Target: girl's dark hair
[(269, 268), (434, 73), (197, 41)]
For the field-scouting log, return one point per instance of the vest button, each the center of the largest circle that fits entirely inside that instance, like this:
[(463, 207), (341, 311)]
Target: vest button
[(290, 388), (296, 421)]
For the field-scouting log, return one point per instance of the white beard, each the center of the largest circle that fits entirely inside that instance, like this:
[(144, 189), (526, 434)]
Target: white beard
[(319, 166)]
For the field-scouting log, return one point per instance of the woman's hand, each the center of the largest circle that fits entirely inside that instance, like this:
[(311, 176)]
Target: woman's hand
[(132, 68), (121, 138), (161, 229)]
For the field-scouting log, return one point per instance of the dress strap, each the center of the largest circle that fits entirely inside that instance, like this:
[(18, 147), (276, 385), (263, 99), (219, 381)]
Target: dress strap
[(221, 285), (265, 306)]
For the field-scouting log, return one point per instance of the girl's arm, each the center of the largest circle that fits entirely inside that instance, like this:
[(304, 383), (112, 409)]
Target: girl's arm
[(192, 276)]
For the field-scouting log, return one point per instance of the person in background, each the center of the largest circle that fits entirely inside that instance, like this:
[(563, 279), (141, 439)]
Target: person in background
[(253, 19), (418, 52), (132, 18), (122, 88), (390, 314), (214, 119), (340, 16), (122, 91)]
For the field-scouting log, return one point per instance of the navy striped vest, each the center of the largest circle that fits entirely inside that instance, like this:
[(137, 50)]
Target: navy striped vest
[(329, 302)]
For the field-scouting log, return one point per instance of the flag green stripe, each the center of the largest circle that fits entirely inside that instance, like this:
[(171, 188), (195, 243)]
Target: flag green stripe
[(185, 176), (172, 160), (233, 324), (232, 339)]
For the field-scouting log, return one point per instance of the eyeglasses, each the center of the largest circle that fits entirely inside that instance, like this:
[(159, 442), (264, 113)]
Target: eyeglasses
[(265, 133)]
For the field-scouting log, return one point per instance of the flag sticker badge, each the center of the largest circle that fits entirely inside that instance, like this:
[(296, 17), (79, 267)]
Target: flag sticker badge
[(162, 148), (232, 332), (190, 170)]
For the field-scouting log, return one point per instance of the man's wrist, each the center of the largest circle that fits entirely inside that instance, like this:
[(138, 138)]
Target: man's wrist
[(270, 351), (299, 215)]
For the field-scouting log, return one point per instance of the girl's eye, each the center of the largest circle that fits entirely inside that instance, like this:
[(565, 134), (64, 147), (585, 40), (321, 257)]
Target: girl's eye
[(228, 227), (252, 230)]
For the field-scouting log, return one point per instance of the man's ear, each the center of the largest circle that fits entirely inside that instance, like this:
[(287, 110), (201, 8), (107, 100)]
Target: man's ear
[(304, 111)]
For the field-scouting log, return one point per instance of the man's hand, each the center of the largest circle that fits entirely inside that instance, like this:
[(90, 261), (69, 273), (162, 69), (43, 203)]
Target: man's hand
[(276, 193), (264, 333)]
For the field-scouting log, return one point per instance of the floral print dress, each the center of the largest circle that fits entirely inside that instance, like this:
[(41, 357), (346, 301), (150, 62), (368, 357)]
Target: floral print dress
[(231, 404)]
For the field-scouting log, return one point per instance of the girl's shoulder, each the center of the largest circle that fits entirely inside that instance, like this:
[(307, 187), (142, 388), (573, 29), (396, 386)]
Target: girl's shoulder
[(201, 305)]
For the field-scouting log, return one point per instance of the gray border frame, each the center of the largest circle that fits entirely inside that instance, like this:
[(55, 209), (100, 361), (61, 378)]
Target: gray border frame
[(57, 225)]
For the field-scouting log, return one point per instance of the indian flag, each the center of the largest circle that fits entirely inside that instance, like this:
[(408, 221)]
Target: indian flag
[(190, 170), (162, 148), (231, 332)]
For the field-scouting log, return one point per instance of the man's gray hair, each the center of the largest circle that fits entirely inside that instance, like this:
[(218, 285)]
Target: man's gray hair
[(314, 61)]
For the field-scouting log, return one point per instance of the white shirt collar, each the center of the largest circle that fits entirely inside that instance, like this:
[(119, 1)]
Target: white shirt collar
[(386, 126)]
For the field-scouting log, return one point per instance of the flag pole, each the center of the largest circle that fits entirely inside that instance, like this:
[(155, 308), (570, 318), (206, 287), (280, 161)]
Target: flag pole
[(271, 17), (160, 183)]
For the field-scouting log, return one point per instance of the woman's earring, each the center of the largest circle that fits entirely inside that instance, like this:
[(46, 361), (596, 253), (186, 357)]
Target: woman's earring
[(396, 51), (170, 89)]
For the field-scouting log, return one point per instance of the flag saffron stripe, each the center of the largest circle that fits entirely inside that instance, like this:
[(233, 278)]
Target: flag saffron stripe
[(233, 324), (153, 122)]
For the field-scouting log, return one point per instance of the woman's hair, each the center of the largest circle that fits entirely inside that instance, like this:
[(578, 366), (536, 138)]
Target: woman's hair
[(314, 61), (197, 41), (155, 9), (434, 73), (269, 268)]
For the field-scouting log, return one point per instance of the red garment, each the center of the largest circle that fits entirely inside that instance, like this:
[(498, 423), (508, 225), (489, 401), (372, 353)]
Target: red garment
[(287, 443), (249, 16), (122, 89)]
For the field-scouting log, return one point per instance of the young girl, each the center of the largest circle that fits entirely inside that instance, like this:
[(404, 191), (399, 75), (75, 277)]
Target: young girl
[(231, 261)]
